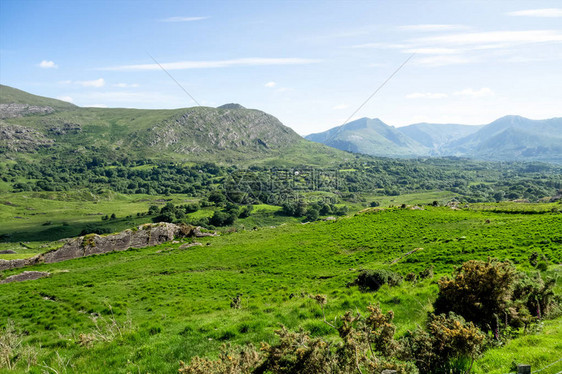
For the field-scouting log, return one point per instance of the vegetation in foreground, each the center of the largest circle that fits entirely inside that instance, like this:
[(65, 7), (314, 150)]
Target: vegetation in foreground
[(148, 309)]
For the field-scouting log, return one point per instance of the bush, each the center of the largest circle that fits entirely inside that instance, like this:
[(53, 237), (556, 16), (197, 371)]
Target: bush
[(447, 345), (480, 292), (372, 280)]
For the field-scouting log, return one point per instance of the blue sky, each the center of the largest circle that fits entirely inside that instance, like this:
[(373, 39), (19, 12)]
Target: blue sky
[(309, 63)]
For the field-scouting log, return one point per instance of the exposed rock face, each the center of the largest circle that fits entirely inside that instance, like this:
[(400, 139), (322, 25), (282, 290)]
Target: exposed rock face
[(231, 127), (144, 236), (25, 276), (64, 128), (20, 110), (22, 139)]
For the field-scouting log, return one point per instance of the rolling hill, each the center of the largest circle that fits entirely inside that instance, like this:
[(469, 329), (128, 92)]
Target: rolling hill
[(36, 126)]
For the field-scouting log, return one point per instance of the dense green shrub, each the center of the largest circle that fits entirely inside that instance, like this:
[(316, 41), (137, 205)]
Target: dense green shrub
[(372, 280), (448, 344), (481, 292)]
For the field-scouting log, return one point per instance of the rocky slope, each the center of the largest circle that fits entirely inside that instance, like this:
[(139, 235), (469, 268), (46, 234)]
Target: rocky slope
[(144, 236), (229, 133)]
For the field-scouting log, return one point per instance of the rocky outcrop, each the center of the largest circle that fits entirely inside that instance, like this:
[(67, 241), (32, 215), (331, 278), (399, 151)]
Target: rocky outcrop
[(144, 236), (19, 110), (17, 138), (25, 276)]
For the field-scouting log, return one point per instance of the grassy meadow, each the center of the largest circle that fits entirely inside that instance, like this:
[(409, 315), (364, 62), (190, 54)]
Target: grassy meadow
[(147, 309)]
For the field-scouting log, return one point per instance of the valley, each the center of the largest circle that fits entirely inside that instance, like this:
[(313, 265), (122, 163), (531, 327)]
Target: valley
[(306, 237)]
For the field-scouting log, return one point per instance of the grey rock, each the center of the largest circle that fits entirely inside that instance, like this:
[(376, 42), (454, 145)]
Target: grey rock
[(25, 276)]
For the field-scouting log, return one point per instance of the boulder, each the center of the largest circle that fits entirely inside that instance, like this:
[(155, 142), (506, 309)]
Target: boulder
[(25, 276)]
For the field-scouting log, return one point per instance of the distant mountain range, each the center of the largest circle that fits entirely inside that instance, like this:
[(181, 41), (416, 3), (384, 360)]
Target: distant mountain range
[(507, 138), (36, 127)]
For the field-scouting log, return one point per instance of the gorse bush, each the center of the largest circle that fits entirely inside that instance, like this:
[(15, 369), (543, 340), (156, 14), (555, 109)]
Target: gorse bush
[(480, 291), (493, 295), (448, 345), (372, 280), (364, 345)]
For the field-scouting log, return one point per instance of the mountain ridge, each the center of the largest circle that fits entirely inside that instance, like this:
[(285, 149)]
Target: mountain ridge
[(509, 138), (37, 126)]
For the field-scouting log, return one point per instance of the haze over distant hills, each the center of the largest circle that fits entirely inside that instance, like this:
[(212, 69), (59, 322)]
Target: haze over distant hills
[(507, 138)]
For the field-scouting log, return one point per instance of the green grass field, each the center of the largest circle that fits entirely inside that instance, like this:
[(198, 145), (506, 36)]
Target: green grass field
[(174, 304)]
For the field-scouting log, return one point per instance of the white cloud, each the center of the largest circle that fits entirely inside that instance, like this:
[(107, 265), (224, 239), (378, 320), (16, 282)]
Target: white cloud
[(433, 51), (381, 45), (443, 60), (431, 27), (492, 39), (93, 83), (183, 19), (65, 98), (126, 85), (546, 12), (96, 106), (426, 95), (485, 91), (47, 65), (270, 84), (181, 65), (340, 107)]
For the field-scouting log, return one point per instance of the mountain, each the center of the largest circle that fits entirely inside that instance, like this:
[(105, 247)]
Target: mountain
[(510, 138), (36, 125), (513, 138), (435, 136), (372, 137)]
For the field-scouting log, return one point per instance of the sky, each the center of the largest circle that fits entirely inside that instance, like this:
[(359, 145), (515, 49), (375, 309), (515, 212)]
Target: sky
[(312, 64)]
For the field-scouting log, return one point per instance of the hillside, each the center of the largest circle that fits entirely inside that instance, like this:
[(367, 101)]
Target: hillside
[(372, 137), (510, 138), (172, 304), (39, 126)]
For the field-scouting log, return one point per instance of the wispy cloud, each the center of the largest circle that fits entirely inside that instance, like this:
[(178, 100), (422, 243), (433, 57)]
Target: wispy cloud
[(183, 19), (340, 107), (270, 84), (467, 47), (93, 83), (431, 27), (426, 95), (382, 45), (65, 98), (483, 92), (434, 51), (182, 65), (47, 65), (126, 85), (493, 39), (443, 60), (545, 12)]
